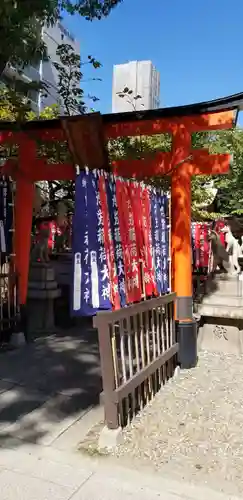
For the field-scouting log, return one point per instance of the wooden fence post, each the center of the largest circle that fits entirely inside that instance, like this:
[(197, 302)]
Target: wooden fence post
[(107, 371)]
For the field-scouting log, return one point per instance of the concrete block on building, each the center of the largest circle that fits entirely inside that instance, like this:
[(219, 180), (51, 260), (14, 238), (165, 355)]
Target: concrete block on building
[(221, 336)]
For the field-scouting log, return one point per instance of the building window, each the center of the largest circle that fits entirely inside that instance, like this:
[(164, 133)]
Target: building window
[(65, 32)]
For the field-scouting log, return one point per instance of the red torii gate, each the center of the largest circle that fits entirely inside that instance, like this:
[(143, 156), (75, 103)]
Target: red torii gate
[(181, 164), (86, 138)]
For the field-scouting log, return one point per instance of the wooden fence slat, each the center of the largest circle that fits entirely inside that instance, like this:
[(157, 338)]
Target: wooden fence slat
[(124, 390), (138, 353)]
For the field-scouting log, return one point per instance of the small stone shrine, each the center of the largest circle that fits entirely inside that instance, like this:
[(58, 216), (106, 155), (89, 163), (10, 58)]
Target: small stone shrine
[(42, 288), (42, 291)]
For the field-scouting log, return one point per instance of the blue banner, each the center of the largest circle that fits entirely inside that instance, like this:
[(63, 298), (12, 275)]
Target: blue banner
[(6, 216), (115, 231), (91, 285), (156, 240), (160, 239), (164, 243), (193, 244)]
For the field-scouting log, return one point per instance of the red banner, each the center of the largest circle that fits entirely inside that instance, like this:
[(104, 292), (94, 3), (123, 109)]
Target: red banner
[(129, 242), (218, 226), (206, 245), (141, 211), (109, 247), (51, 227), (149, 276), (197, 245), (202, 246)]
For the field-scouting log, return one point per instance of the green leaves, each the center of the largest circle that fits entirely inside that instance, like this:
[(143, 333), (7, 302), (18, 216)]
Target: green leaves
[(130, 98), (96, 64), (90, 9), (20, 29), (70, 77), (21, 22), (229, 197)]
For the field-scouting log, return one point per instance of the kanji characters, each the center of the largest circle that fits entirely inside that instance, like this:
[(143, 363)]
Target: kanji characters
[(134, 266), (116, 219), (122, 285), (100, 217), (157, 249), (86, 238), (117, 234), (102, 255), (86, 255), (105, 273), (100, 235), (133, 250), (121, 271), (119, 252), (147, 278), (130, 220), (106, 291), (132, 234), (86, 295), (135, 281)]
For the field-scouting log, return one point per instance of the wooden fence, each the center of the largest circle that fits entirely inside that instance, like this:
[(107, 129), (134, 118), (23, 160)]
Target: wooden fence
[(9, 307), (138, 352)]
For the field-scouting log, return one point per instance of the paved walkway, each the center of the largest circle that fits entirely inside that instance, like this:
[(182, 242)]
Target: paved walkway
[(48, 386), (43, 473)]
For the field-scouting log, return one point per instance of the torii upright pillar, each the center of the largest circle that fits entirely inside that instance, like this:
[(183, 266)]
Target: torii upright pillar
[(181, 163), (27, 170)]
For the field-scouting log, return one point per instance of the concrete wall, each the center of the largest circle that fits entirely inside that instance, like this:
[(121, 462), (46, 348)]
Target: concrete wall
[(45, 71), (143, 79), (54, 36)]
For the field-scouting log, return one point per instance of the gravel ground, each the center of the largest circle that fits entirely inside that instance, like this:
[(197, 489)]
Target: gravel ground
[(193, 429)]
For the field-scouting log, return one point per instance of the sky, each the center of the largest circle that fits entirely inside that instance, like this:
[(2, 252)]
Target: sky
[(196, 45)]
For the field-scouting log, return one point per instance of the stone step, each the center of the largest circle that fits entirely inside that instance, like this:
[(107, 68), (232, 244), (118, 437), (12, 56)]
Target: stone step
[(225, 277), (231, 288), (41, 273), (223, 300), (42, 285), (220, 311), (44, 294)]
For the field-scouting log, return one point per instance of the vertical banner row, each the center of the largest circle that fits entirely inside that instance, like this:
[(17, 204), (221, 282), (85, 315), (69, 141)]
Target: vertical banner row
[(120, 244)]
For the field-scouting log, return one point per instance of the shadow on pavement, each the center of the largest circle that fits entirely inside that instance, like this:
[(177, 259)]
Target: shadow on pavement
[(48, 385)]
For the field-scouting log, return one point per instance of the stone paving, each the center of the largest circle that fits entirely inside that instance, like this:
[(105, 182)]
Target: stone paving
[(44, 473), (191, 433), (48, 386), (193, 429)]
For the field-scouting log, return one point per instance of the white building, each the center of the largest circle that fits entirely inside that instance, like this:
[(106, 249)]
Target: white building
[(54, 36), (44, 71), (143, 79)]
